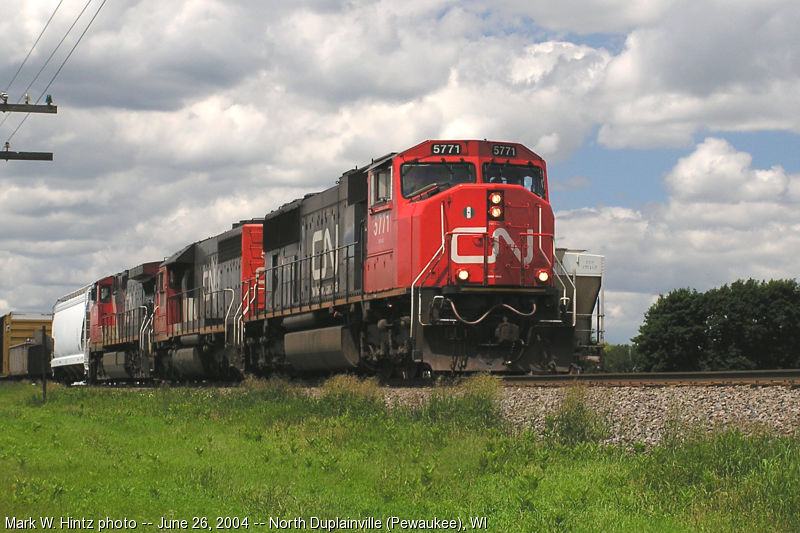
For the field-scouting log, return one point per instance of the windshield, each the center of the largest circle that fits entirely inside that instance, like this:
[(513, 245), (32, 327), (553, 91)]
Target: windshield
[(529, 176), (418, 178)]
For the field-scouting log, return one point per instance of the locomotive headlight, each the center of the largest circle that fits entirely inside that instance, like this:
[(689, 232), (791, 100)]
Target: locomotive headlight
[(495, 204), (495, 211), (543, 276), (462, 274)]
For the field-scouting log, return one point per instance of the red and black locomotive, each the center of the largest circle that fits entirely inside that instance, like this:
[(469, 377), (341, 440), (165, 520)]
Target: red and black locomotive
[(440, 258)]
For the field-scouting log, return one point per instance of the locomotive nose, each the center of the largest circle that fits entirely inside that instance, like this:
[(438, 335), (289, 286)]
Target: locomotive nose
[(509, 243)]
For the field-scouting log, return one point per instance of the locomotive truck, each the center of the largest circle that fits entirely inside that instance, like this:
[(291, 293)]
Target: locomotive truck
[(440, 258)]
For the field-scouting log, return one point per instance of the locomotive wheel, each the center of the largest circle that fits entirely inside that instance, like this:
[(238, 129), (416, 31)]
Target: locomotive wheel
[(575, 370), (385, 370)]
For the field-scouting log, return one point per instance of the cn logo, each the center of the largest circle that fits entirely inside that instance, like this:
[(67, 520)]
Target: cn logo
[(323, 252), (499, 234)]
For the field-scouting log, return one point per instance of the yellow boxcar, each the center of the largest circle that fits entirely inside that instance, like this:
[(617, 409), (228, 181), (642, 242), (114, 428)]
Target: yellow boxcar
[(20, 328)]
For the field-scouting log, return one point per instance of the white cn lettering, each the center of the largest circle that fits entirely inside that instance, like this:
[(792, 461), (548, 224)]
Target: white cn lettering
[(319, 269), (497, 235)]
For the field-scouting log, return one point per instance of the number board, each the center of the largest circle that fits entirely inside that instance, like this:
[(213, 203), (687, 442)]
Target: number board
[(446, 149), (504, 150)]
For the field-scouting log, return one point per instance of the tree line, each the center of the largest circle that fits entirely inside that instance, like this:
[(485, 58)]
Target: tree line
[(742, 326)]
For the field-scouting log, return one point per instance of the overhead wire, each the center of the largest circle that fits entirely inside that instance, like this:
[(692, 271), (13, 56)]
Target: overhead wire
[(24, 61), (74, 46), (47, 61)]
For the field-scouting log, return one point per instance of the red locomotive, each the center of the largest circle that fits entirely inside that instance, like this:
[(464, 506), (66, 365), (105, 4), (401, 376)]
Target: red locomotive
[(439, 258)]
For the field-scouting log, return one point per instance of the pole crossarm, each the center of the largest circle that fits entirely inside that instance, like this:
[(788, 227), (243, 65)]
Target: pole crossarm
[(26, 156), (28, 108)]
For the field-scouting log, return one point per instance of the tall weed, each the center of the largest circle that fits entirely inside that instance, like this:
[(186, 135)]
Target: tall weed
[(574, 422), (273, 388), (344, 394), (472, 404), (679, 429)]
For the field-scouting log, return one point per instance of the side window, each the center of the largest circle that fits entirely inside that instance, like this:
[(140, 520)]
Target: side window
[(381, 186), (105, 294)]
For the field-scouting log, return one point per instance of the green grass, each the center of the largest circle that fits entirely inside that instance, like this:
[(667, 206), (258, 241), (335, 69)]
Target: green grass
[(269, 450)]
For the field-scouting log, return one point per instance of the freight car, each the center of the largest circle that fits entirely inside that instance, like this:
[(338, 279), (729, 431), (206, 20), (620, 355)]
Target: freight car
[(70, 336), (440, 258), (21, 354)]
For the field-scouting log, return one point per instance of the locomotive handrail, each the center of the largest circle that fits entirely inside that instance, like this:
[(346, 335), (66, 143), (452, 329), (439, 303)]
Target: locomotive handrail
[(152, 329), (449, 246), (440, 250), (249, 299), (195, 308), (122, 326), (430, 271), (141, 327), (236, 321), (262, 286), (553, 242), (311, 291), (228, 312), (574, 289)]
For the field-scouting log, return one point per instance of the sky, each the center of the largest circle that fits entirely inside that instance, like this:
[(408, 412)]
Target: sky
[(671, 128)]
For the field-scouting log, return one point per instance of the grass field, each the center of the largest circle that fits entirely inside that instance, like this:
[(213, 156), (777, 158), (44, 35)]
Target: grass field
[(267, 450)]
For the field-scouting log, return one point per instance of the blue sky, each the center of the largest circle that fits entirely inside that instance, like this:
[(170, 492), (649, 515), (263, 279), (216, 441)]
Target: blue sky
[(672, 141), (632, 177)]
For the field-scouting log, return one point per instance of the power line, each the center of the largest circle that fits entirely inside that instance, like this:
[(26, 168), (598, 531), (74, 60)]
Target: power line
[(34, 46), (72, 50), (47, 62), (58, 46), (62, 63)]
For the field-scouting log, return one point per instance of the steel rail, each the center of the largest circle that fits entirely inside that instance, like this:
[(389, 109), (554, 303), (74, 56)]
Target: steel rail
[(784, 377)]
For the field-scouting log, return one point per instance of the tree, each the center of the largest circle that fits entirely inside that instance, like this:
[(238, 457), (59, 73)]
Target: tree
[(673, 335), (618, 358), (754, 325), (747, 325)]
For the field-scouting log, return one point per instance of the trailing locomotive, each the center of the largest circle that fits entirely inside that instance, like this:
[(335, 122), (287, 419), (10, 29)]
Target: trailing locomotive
[(440, 258)]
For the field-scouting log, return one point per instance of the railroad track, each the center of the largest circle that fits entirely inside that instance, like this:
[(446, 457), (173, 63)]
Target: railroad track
[(762, 378), (756, 378)]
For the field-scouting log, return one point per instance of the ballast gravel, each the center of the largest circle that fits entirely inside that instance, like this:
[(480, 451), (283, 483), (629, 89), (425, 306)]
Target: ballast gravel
[(645, 414)]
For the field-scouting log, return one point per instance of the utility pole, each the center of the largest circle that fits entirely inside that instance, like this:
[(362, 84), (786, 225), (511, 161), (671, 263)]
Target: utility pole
[(43, 345), (5, 107), (45, 361)]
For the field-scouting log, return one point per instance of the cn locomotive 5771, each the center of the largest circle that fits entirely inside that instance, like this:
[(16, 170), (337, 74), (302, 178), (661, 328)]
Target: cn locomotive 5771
[(440, 258)]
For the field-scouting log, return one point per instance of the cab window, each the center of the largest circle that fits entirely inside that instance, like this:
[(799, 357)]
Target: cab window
[(529, 176), (430, 178), (381, 185)]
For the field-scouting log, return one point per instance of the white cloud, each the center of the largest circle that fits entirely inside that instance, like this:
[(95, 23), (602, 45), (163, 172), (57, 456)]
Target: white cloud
[(718, 65), (624, 313), (716, 172)]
